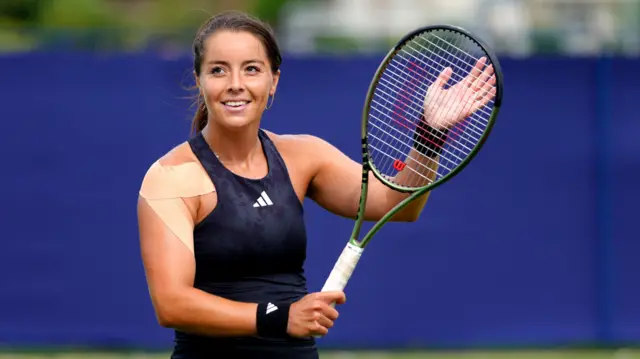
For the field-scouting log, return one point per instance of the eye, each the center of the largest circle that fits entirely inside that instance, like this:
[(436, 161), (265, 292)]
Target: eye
[(217, 70), (253, 69)]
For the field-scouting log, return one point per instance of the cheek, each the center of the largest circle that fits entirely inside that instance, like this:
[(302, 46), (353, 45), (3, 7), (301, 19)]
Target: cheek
[(261, 89), (212, 89)]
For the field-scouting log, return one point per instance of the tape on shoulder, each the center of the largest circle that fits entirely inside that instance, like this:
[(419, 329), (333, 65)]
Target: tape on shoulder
[(176, 216), (179, 181)]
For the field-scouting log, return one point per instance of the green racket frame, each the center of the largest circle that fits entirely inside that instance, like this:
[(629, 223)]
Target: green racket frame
[(367, 165)]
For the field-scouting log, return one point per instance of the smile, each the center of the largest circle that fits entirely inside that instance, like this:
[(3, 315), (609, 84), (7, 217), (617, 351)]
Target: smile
[(235, 104)]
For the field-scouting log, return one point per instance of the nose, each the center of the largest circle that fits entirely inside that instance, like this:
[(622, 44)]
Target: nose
[(236, 84)]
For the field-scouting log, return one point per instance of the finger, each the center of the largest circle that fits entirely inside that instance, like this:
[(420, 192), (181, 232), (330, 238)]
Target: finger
[(325, 322), (337, 297), (319, 330), (490, 96), (482, 79), (475, 72), (488, 86), (483, 101), (330, 312), (443, 78)]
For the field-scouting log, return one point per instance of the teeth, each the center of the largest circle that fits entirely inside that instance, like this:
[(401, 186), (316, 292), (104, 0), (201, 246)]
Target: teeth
[(236, 103)]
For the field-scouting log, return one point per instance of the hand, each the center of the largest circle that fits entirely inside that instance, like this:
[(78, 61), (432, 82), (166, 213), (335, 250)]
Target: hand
[(313, 315), (443, 109)]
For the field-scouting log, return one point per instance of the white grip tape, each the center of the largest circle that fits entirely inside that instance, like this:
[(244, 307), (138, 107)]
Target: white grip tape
[(343, 268)]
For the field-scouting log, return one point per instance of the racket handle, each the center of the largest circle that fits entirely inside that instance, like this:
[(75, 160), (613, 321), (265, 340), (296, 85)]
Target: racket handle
[(343, 269)]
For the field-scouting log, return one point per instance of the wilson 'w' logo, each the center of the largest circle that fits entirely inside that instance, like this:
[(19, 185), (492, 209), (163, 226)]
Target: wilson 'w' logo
[(399, 165)]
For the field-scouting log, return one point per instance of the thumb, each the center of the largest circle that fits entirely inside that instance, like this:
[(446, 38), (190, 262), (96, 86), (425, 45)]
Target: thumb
[(333, 296), (443, 78)]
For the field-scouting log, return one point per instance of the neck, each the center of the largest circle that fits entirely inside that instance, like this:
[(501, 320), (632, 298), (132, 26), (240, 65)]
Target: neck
[(232, 147)]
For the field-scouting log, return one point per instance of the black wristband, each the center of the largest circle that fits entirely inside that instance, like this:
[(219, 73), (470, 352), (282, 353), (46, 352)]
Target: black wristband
[(428, 140), (272, 319)]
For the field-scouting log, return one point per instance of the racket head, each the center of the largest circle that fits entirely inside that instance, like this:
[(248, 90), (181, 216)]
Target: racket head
[(407, 71)]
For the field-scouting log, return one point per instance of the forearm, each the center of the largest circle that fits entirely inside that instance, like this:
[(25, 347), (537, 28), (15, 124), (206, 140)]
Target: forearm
[(198, 312), (419, 171)]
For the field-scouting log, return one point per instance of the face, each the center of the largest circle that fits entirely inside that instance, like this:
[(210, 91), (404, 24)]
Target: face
[(236, 78)]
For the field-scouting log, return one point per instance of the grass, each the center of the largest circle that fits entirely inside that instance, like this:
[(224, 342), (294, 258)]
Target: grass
[(534, 354)]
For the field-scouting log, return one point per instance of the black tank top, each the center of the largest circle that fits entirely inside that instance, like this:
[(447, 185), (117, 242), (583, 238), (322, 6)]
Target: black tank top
[(250, 248)]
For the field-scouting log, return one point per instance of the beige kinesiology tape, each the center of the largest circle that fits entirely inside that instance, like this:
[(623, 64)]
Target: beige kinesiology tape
[(165, 187)]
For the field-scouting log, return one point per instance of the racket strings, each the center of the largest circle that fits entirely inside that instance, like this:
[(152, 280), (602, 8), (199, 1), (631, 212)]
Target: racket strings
[(419, 163), (415, 171), (415, 117), (459, 146), (408, 142), (449, 63), (408, 138), (412, 100), (394, 145), (455, 61), (398, 105), (454, 75)]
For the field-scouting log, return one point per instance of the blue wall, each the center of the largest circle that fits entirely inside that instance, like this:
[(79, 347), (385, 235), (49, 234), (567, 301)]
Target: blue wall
[(535, 243)]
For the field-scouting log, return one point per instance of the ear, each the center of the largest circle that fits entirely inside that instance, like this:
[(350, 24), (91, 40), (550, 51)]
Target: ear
[(274, 85)]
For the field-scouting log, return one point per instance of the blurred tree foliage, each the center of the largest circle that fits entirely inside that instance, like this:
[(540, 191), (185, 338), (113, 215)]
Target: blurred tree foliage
[(20, 11), (98, 25)]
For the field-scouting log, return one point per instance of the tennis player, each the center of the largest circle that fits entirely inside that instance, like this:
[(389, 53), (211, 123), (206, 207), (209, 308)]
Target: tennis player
[(220, 216)]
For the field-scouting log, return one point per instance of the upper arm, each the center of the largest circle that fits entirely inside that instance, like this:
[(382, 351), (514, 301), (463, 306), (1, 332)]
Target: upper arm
[(337, 181), (167, 258), (167, 211)]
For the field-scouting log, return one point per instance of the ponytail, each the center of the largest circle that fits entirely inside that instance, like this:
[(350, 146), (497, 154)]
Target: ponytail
[(201, 116)]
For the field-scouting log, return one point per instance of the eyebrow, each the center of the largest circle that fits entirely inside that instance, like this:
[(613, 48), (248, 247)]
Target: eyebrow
[(220, 62)]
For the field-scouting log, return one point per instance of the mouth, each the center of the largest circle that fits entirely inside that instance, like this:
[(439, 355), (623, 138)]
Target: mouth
[(235, 105)]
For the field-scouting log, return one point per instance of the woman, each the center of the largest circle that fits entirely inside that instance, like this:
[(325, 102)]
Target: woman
[(229, 203)]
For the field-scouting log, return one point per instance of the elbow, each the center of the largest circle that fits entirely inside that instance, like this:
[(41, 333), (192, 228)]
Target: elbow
[(165, 320), (413, 211), (167, 315), (410, 214)]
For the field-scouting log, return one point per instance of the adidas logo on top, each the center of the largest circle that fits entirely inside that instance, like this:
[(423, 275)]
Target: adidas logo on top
[(263, 200)]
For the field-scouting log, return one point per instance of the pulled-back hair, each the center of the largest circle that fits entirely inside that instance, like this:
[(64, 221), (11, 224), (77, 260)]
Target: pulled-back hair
[(232, 21)]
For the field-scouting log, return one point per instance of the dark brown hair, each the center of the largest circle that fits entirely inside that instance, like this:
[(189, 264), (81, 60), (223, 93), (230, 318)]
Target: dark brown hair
[(233, 21)]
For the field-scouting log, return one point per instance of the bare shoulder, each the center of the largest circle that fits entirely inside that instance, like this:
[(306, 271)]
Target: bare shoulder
[(310, 157), (177, 173), (178, 155), (301, 145)]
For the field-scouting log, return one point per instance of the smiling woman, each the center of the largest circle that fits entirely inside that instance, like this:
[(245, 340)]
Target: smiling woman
[(235, 40), (229, 202)]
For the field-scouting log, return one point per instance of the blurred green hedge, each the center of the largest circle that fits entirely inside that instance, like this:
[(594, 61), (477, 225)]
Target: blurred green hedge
[(115, 24)]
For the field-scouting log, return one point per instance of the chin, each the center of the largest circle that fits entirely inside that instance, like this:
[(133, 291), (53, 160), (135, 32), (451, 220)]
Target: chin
[(236, 123)]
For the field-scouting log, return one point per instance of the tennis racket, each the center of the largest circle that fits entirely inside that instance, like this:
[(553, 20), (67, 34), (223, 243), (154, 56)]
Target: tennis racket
[(429, 109)]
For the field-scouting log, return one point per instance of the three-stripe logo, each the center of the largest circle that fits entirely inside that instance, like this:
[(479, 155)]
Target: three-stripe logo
[(263, 200)]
